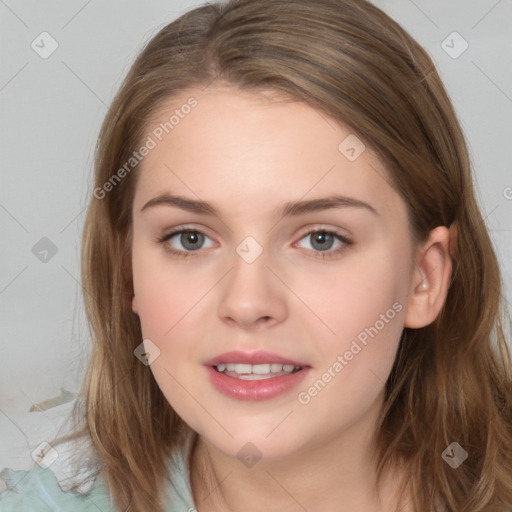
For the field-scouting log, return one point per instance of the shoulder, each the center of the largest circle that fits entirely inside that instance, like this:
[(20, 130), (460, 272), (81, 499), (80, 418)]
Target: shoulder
[(54, 490), (37, 490)]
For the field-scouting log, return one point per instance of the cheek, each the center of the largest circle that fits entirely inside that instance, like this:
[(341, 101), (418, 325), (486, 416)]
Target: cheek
[(361, 307), (155, 307), (352, 297), (164, 293), (168, 304)]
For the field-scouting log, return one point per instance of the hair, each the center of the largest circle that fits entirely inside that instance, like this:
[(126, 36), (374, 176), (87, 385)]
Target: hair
[(451, 380)]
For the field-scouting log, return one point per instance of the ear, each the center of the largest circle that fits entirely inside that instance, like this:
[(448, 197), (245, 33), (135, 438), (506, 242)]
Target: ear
[(430, 280), (130, 293), (134, 305)]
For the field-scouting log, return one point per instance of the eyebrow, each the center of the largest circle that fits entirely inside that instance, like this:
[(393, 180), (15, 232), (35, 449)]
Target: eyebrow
[(291, 208)]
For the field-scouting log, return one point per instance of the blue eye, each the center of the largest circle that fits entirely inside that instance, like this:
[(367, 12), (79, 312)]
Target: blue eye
[(322, 241), (189, 239), (192, 241)]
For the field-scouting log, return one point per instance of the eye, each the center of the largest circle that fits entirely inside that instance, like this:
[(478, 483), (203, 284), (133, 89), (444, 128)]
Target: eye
[(191, 240), (322, 240)]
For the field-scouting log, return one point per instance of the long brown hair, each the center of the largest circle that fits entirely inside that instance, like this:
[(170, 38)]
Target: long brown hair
[(451, 381)]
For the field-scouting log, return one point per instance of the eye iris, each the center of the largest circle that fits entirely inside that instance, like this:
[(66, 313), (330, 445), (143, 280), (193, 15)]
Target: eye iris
[(321, 240), (191, 238), (322, 236)]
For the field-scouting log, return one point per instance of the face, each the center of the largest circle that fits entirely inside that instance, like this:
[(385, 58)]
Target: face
[(323, 286)]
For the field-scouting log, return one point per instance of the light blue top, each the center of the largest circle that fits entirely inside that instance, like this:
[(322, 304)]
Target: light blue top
[(37, 490)]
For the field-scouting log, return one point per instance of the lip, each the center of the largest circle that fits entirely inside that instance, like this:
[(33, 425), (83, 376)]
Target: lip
[(259, 357), (264, 389)]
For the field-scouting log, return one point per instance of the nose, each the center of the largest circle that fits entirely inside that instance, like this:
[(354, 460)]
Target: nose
[(252, 295)]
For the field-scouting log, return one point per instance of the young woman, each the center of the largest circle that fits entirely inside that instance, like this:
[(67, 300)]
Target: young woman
[(294, 300)]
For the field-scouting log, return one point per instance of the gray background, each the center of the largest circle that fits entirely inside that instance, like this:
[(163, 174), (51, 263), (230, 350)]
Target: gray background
[(51, 113)]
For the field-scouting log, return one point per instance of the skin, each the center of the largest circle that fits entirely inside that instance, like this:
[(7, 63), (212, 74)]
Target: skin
[(247, 154)]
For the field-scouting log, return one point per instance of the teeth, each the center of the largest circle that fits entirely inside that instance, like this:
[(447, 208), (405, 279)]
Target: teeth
[(260, 369), (257, 369), (240, 368)]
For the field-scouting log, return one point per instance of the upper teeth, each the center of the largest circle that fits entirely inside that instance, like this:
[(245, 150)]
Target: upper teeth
[(261, 369)]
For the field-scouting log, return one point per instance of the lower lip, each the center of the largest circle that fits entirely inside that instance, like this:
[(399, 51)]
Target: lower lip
[(255, 389)]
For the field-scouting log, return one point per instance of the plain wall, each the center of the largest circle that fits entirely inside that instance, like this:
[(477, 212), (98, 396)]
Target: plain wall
[(52, 109)]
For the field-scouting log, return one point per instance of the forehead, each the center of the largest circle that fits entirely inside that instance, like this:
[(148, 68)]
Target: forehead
[(240, 148)]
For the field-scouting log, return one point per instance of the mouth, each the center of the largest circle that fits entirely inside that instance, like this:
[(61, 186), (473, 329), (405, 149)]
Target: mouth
[(261, 375), (243, 371), (255, 376)]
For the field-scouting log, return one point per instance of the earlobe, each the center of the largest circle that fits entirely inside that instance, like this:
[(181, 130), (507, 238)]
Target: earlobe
[(134, 305), (431, 279)]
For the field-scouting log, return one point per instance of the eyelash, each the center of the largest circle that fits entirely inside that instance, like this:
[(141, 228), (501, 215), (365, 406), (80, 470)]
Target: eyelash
[(318, 254)]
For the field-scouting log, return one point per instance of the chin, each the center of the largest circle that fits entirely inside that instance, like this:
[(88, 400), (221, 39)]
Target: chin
[(253, 444)]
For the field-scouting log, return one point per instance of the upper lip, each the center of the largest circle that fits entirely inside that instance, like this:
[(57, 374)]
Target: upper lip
[(260, 357)]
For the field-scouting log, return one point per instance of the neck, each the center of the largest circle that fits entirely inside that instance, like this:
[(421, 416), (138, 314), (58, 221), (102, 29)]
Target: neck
[(336, 474)]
